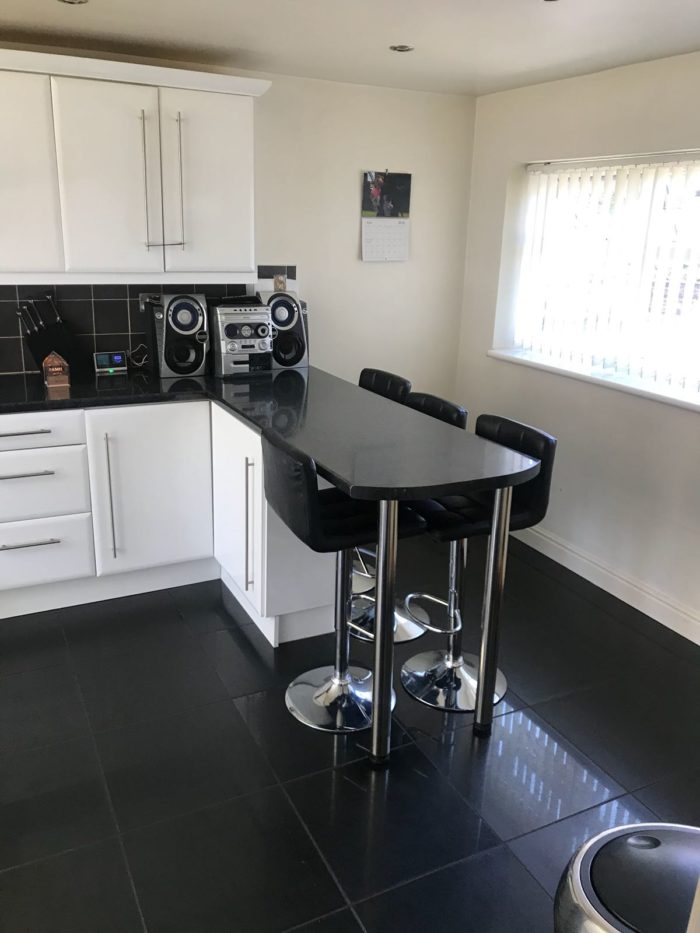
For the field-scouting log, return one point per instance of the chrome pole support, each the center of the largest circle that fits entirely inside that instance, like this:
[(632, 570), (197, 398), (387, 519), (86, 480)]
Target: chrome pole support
[(382, 693), (491, 610)]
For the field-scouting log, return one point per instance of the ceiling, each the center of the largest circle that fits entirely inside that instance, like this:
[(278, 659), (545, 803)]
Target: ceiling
[(472, 46)]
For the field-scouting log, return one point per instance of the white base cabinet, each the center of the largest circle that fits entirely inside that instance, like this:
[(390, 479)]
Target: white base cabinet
[(276, 572), (45, 550), (150, 475)]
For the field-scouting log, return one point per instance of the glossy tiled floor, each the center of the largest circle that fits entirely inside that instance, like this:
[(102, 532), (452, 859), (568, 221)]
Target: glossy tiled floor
[(152, 779)]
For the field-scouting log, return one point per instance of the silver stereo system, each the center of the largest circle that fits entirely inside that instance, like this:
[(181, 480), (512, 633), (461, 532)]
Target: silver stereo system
[(181, 335), (290, 345), (242, 338)]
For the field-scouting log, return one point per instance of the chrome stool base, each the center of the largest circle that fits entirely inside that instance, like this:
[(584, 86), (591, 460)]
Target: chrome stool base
[(406, 627), (364, 576), (432, 678), (322, 700)]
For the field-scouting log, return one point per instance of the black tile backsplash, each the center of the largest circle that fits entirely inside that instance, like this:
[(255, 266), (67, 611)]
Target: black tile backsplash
[(100, 317)]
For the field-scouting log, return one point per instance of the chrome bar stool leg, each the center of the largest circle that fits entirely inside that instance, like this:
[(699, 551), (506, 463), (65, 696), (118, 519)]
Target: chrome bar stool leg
[(338, 697), (364, 571), (448, 680)]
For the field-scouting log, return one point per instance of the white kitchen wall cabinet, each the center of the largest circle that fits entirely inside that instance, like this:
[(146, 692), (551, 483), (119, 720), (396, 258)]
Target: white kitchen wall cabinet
[(150, 475), (30, 221), (273, 569), (207, 166), (107, 141)]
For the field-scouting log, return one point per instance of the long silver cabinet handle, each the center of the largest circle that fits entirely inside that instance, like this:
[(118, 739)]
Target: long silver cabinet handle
[(18, 547), (28, 475), (28, 433), (182, 193), (111, 497), (145, 178), (248, 579)]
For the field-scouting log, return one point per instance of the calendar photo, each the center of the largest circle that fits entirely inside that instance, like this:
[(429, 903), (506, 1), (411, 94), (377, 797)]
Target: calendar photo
[(386, 194)]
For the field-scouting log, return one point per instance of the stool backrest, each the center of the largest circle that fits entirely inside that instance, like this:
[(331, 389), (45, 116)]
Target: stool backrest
[(531, 499), (291, 486), (438, 407), (387, 384)]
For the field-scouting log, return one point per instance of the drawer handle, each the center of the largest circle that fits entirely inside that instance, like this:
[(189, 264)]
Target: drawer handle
[(111, 497), (17, 547), (28, 475), (28, 433), (248, 579)]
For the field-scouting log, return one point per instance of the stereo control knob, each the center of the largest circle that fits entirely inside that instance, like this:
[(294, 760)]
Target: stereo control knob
[(246, 330), (263, 330), (232, 347), (263, 345)]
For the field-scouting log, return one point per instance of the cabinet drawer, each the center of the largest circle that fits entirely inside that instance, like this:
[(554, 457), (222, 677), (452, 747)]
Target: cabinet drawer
[(43, 482), (46, 550), (41, 429)]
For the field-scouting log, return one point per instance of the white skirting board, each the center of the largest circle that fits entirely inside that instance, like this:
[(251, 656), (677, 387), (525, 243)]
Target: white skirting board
[(289, 627), (674, 615), (94, 589)]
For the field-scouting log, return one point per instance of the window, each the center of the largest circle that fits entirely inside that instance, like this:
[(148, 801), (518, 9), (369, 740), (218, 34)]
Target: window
[(610, 280)]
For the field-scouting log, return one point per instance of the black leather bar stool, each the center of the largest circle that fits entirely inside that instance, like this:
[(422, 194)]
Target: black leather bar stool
[(387, 384), (336, 698), (447, 679), (395, 388), (398, 389), (412, 624)]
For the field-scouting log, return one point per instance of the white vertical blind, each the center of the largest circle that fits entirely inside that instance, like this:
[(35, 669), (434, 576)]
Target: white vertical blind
[(610, 278)]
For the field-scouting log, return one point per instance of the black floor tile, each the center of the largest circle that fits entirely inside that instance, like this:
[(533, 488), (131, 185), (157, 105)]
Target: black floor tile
[(31, 642), (378, 828), (676, 799), (638, 730), (524, 776), (138, 686), (245, 865), (422, 721), (247, 663), (84, 891), (546, 852), (148, 623), (341, 922), (51, 799), (488, 893), (39, 708), (295, 750), (164, 767), (632, 618), (201, 606)]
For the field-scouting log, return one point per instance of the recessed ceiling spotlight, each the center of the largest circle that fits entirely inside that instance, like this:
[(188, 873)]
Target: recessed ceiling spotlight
[(401, 48)]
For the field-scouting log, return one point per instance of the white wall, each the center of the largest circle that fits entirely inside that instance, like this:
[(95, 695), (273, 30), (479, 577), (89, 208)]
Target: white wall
[(313, 139), (625, 509)]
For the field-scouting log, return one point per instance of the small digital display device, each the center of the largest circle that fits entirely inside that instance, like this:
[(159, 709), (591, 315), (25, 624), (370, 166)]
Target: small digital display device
[(110, 364)]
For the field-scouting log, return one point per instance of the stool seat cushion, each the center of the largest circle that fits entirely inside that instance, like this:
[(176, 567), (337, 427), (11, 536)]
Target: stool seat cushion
[(347, 523)]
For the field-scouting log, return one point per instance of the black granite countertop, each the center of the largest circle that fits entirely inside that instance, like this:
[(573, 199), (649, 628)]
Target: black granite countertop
[(367, 445)]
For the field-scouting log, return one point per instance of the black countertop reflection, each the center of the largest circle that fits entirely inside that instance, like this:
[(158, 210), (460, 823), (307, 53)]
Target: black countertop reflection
[(368, 446)]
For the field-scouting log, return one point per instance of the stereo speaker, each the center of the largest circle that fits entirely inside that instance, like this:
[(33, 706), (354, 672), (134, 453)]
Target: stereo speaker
[(290, 346)]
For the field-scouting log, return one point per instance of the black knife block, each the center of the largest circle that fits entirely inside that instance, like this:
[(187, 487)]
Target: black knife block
[(56, 337)]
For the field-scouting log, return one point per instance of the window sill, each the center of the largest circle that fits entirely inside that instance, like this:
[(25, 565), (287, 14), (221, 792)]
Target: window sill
[(610, 382)]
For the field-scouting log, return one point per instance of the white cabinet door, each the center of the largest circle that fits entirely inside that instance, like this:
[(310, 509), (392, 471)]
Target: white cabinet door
[(107, 141), (238, 503), (150, 476), (207, 160), (30, 220), (45, 550), (276, 571)]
